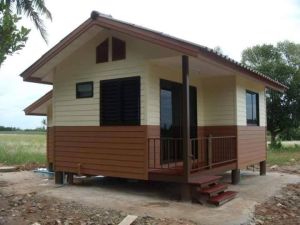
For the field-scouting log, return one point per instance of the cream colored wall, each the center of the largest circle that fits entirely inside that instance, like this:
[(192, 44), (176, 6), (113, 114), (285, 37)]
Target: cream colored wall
[(221, 100), (243, 84), (155, 73), (218, 95), (215, 96), (81, 66)]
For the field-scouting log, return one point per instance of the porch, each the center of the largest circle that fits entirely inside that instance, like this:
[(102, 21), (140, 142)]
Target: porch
[(210, 155)]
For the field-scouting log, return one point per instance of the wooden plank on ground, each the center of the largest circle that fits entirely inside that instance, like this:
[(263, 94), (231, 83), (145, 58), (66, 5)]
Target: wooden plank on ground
[(128, 220)]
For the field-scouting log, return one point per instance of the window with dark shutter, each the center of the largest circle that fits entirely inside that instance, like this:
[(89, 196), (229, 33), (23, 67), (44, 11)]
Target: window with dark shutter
[(102, 52), (120, 101), (118, 49), (84, 89), (252, 108)]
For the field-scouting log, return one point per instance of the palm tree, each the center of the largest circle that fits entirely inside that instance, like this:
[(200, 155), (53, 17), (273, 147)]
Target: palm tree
[(32, 9)]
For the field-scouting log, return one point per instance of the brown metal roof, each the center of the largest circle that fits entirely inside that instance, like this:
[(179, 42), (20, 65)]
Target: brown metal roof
[(155, 37), (42, 100)]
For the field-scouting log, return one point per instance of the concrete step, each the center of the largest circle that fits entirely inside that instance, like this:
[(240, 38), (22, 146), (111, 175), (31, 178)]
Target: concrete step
[(222, 198)]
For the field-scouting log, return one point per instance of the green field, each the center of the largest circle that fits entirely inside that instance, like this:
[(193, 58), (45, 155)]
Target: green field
[(19, 148), (288, 154)]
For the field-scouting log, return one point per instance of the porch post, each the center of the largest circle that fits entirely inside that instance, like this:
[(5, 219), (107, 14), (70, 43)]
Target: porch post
[(186, 116)]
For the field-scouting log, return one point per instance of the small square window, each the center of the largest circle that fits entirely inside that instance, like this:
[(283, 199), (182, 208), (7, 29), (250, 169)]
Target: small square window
[(84, 90)]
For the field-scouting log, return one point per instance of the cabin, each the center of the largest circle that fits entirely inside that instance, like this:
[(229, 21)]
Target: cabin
[(134, 103)]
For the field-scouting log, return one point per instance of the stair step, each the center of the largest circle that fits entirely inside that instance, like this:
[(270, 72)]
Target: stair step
[(222, 198), (211, 190), (204, 180)]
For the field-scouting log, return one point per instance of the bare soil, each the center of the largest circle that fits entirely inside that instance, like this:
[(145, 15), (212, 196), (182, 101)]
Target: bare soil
[(27, 198), (34, 209), (281, 209)]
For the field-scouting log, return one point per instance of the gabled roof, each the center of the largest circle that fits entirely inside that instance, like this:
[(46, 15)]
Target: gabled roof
[(185, 47), (39, 107)]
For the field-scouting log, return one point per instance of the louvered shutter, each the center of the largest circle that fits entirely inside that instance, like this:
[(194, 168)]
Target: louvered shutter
[(120, 101)]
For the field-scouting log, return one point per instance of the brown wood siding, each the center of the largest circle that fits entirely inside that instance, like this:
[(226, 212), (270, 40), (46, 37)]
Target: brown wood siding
[(50, 144), (205, 131), (119, 151), (251, 145)]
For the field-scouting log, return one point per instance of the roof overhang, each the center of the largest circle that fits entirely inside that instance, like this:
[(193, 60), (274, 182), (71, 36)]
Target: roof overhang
[(40, 106), (40, 71)]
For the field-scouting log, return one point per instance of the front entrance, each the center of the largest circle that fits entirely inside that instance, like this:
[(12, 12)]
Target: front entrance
[(171, 120)]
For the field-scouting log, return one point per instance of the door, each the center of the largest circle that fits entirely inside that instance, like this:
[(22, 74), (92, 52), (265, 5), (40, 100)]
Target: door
[(171, 120)]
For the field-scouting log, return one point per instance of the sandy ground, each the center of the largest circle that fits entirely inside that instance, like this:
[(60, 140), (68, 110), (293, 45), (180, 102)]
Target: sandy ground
[(153, 199)]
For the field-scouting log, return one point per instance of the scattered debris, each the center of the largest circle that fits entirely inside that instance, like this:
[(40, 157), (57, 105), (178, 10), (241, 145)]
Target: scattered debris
[(5, 169), (282, 209), (128, 220), (34, 209)]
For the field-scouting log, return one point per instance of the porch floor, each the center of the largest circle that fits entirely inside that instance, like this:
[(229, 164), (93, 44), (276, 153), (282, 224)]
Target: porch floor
[(176, 174)]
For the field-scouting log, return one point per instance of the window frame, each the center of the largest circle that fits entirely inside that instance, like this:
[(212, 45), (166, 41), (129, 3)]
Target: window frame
[(83, 83), (121, 121), (252, 122)]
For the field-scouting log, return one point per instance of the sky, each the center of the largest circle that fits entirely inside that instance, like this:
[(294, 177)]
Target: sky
[(233, 25)]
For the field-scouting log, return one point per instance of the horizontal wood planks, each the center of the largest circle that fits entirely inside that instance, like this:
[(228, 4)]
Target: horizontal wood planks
[(251, 145), (50, 144), (119, 151)]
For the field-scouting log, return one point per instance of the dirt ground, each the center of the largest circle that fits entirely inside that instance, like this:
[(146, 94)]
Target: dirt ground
[(29, 198)]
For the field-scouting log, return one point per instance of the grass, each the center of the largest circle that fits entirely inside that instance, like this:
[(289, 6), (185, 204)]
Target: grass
[(22, 148), (286, 155)]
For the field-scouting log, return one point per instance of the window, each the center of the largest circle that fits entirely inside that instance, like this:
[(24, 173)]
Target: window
[(120, 101), (118, 49), (84, 90), (102, 52), (252, 108)]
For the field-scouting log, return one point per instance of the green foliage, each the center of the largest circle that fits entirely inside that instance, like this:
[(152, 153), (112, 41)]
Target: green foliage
[(282, 63), (17, 149), (33, 9), (12, 39)]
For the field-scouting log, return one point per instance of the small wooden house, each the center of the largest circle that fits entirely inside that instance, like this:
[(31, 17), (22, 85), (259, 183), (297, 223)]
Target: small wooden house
[(134, 103)]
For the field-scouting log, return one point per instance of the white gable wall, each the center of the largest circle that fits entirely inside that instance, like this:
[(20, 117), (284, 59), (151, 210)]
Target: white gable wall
[(81, 67)]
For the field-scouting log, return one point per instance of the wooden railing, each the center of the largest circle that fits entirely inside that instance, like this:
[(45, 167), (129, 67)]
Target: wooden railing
[(207, 152), (165, 153), (212, 152)]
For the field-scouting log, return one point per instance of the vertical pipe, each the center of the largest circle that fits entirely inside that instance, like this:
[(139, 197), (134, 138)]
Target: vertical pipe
[(186, 116)]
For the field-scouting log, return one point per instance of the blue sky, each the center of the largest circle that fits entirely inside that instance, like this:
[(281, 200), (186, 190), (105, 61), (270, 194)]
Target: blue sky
[(233, 25)]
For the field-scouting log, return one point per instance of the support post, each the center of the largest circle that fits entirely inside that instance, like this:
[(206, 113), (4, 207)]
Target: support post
[(59, 177), (210, 151), (262, 168), (70, 178), (186, 116), (235, 176), (50, 167), (186, 192)]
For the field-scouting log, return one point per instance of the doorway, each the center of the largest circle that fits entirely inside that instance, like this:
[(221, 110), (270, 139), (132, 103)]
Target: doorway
[(171, 120)]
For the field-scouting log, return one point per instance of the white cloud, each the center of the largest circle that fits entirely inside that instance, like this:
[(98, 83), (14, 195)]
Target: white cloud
[(233, 25)]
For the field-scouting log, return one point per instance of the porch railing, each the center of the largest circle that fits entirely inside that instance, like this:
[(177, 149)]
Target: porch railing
[(207, 152), (212, 152)]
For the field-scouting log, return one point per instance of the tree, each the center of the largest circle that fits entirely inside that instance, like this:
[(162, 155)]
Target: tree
[(33, 9), (12, 39), (282, 63)]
